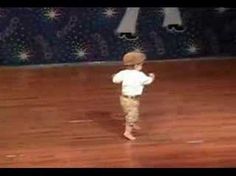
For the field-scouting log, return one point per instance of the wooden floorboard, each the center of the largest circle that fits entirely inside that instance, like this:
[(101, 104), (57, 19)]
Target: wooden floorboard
[(71, 117)]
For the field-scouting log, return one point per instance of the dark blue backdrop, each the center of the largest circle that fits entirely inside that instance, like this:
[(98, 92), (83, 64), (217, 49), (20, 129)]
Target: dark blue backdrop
[(62, 35)]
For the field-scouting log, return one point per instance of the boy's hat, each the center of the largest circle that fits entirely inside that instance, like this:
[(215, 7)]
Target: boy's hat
[(133, 58)]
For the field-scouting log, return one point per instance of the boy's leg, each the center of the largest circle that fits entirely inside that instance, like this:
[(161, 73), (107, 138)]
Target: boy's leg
[(127, 108), (130, 108), (128, 132), (135, 114)]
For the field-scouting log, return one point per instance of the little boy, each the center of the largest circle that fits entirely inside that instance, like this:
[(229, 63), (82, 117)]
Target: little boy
[(133, 81)]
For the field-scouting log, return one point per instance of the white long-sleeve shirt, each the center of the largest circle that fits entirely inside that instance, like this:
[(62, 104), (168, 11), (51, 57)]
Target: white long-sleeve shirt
[(133, 81)]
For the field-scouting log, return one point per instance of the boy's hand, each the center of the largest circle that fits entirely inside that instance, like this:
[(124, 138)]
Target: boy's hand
[(152, 75)]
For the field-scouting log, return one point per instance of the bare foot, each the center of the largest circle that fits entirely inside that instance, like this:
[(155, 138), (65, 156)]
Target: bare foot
[(136, 127), (129, 136)]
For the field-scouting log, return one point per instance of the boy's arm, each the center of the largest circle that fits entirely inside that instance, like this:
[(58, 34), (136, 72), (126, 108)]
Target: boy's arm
[(148, 79), (117, 78)]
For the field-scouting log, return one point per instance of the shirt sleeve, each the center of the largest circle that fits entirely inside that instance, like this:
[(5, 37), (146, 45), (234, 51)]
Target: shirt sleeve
[(117, 78), (145, 80)]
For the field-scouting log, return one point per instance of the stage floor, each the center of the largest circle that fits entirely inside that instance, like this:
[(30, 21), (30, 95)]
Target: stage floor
[(71, 117)]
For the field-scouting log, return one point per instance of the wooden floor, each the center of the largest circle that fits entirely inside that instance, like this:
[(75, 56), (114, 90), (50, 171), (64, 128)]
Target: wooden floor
[(71, 117)]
